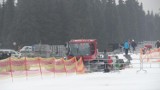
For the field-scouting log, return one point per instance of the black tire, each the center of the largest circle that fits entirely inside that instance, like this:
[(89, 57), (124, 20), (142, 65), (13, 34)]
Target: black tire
[(106, 70)]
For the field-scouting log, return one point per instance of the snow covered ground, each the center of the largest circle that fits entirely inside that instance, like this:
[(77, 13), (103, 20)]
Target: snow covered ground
[(126, 79)]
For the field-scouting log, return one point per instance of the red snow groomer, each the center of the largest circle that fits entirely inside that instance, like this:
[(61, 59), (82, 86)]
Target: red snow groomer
[(87, 49)]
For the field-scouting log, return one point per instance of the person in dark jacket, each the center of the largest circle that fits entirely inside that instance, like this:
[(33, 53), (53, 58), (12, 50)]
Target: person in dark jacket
[(106, 66), (133, 45), (126, 47), (157, 44)]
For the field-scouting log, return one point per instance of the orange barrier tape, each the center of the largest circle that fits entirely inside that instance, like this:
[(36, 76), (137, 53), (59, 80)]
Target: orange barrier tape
[(4, 64), (80, 66), (29, 66), (70, 65), (150, 55)]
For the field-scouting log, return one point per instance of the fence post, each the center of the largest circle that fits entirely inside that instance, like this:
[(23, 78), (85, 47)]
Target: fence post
[(40, 67), (75, 64), (10, 64), (64, 65), (141, 62), (26, 68), (54, 66)]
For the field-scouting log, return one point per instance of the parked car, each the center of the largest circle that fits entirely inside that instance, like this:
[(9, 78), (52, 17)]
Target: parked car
[(4, 55), (9, 52), (27, 48), (27, 51)]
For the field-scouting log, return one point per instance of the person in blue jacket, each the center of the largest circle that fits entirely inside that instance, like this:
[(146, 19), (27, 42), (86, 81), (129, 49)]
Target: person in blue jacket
[(126, 47)]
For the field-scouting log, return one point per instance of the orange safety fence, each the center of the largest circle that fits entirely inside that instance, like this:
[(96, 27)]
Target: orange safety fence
[(16, 67), (70, 65), (80, 66), (152, 55)]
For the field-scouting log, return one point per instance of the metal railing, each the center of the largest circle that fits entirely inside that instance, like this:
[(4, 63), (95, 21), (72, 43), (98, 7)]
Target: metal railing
[(134, 63)]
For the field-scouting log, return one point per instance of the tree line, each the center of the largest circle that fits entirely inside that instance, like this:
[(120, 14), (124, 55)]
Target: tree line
[(29, 22)]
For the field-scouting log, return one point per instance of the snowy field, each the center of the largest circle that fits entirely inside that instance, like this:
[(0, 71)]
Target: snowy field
[(126, 79)]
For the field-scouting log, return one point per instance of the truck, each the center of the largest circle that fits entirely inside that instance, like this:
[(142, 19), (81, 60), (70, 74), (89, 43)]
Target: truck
[(88, 51)]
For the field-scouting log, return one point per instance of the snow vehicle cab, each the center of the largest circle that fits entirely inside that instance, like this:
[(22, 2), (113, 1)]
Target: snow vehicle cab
[(85, 48)]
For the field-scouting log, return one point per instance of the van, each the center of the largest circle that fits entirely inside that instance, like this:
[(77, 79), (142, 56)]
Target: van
[(27, 48), (27, 51), (11, 52)]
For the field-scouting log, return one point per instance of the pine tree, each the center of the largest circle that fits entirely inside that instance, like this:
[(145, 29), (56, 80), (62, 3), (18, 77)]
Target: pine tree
[(57, 21), (8, 16), (1, 21)]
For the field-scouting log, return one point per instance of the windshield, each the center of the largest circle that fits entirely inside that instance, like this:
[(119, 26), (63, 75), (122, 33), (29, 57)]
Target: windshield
[(79, 49)]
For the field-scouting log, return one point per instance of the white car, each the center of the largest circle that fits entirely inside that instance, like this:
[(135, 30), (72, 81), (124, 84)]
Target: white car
[(27, 51), (12, 52), (27, 48)]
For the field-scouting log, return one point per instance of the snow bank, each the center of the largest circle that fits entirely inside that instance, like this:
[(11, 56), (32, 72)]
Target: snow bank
[(127, 79)]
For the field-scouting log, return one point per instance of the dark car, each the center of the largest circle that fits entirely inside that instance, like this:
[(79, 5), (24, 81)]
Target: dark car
[(4, 55)]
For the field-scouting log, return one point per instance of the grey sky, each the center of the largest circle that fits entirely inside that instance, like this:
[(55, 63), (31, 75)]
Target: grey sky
[(148, 5), (151, 5)]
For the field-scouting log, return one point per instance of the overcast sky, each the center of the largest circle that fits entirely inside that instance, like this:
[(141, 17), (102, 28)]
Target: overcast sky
[(149, 5)]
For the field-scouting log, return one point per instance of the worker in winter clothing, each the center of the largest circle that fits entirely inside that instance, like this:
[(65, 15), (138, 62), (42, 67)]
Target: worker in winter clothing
[(126, 47), (157, 44), (106, 69), (133, 44)]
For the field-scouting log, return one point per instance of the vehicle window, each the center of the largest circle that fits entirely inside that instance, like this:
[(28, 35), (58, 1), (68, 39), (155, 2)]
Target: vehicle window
[(26, 48), (13, 52), (79, 49)]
